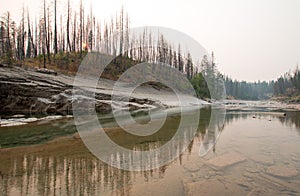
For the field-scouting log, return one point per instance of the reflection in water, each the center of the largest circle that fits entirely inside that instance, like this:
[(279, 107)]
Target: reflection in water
[(62, 176), (290, 119), (171, 138), (212, 133), (35, 133), (56, 175), (69, 171), (71, 175)]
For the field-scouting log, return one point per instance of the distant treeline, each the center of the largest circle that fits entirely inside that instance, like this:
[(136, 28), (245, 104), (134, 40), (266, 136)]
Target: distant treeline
[(248, 90), (286, 85)]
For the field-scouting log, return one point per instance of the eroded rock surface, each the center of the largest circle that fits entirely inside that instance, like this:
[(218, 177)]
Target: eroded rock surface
[(31, 92)]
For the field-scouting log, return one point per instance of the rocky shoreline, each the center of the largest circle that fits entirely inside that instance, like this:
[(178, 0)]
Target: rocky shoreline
[(263, 105), (32, 92)]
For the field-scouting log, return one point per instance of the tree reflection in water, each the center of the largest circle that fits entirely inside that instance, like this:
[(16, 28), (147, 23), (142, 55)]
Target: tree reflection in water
[(80, 173)]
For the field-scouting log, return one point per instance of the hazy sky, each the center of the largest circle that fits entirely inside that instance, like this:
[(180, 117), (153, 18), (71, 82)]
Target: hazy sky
[(252, 39)]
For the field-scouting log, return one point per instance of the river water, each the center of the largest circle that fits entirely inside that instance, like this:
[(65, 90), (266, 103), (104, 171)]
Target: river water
[(245, 153)]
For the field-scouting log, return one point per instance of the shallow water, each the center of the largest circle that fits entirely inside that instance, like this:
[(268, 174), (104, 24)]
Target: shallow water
[(256, 153)]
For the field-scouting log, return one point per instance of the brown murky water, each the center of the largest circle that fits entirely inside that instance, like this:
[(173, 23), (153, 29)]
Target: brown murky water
[(257, 153)]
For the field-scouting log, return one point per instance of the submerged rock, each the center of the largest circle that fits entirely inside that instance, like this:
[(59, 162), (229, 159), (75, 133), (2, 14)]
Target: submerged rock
[(282, 171), (191, 166), (213, 187), (268, 160)]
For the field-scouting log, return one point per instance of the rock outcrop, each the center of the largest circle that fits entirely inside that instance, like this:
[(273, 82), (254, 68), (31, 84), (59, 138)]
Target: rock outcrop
[(33, 92)]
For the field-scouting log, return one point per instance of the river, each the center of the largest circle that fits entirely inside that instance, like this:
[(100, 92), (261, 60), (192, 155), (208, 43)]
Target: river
[(250, 152)]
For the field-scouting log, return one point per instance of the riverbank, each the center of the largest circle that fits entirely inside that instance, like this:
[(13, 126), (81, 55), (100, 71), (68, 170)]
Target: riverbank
[(287, 100), (271, 105), (31, 92)]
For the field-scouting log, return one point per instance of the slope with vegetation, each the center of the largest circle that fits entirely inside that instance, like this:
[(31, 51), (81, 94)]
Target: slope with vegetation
[(47, 45)]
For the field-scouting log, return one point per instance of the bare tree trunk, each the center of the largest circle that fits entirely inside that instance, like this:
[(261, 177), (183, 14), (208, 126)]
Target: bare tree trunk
[(1, 38), (91, 32), (68, 27), (23, 37), (29, 39), (62, 37), (98, 39), (126, 36), (121, 31), (8, 32), (46, 33), (55, 28), (49, 37), (105, 37), (80, 29), (74, 34), (8, 45), (36, 39)]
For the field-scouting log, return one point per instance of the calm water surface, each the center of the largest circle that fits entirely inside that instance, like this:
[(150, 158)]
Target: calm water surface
[(256, 153)]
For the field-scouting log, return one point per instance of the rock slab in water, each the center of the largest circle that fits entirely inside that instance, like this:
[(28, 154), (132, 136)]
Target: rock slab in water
[(226, 160)]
